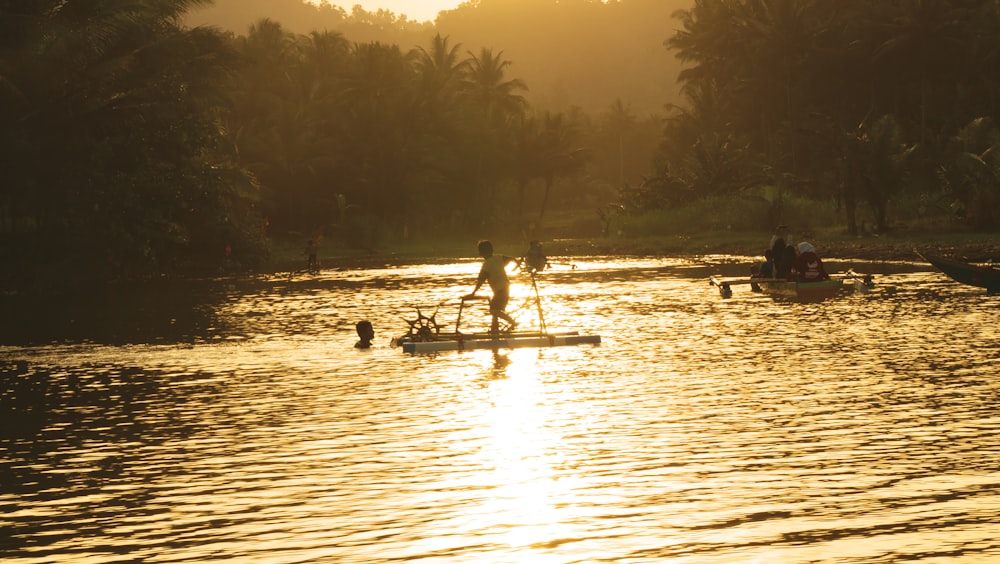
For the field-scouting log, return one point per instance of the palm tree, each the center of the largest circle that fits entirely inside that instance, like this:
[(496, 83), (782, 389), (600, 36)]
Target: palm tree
[(488, 86), (494, 105), (441, 69)]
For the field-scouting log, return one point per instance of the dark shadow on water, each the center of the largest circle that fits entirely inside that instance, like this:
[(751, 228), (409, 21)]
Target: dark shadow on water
[(147, 312)]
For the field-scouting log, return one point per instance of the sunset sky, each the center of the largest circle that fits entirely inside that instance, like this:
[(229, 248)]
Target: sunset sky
[(420, 10)]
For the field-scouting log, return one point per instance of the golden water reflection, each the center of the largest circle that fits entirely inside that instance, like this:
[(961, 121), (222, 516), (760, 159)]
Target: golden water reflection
[(700, 430)]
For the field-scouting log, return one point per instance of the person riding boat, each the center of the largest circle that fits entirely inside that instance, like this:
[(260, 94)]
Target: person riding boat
[(778, 246), (808, 266), (785, 265), (494, 271), (763, 269)]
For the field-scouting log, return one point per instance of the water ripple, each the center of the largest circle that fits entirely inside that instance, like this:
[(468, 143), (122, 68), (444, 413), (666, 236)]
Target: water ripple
[(861, 429)]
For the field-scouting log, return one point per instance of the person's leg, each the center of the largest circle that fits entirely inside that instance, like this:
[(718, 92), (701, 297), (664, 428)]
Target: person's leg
[(498, 307)]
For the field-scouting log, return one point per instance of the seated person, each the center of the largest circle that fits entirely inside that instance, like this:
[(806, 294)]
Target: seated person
[(784, 264), (808, 265), (767, 267), (762, 270)]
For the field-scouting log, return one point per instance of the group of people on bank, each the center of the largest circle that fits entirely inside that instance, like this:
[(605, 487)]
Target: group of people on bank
[(790, 262)]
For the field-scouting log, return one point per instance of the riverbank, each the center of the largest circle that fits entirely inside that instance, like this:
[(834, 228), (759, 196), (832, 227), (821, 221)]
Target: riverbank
[(288, 255), (973, 247)]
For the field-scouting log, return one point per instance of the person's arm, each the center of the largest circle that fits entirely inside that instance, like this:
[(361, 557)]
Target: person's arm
[(479, 283)]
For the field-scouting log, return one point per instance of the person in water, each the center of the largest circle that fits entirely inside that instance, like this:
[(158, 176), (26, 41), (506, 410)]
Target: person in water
[(494, 271), (366, 333), (535, 260), (808, 266)]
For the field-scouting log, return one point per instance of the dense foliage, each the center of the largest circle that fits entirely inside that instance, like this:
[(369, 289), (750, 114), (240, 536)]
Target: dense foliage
[(113, 154), (135, 144), (132, 142), (863, 103), (366, 141)]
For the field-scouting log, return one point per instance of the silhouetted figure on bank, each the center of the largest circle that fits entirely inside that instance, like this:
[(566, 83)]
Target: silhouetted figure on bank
[(312, 252)]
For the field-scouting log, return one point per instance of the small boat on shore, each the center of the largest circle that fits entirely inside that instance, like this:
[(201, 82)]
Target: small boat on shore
[(979, 275)]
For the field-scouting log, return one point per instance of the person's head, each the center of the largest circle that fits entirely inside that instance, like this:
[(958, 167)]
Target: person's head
[(485, 249), (365, 330), (535, 245), (805, 247)]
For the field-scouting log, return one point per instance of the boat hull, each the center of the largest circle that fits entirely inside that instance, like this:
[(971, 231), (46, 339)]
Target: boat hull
[(802, 291), (965, 273), (462, 342)]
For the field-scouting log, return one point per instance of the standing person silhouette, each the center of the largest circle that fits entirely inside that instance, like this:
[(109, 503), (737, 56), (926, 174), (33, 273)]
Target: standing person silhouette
[(312, 249), (494, 271)]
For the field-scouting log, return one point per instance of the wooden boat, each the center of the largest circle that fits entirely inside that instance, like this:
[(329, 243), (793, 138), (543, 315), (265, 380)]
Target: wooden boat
[(981, 276), (780, 288), (802, 291)]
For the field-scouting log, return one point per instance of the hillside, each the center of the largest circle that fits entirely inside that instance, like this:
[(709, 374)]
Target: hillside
[(581, 53)]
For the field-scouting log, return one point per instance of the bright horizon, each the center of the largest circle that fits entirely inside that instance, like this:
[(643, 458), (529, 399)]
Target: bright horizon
[(419, 10)]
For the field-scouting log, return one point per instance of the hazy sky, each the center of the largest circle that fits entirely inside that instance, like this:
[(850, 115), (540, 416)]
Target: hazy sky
[(420, 10)]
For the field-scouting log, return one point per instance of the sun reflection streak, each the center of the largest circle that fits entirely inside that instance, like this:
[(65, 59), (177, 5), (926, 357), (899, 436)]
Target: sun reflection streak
[(522, 449)]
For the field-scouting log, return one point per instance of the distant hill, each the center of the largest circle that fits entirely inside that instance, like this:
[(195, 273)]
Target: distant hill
[(570, 53)]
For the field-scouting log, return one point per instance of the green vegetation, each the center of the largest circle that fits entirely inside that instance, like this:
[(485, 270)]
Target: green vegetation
[(133, 144), (884, 108)]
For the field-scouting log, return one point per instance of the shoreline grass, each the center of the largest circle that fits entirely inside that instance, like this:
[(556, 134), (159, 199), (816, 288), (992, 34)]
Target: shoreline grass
[(975, 247)]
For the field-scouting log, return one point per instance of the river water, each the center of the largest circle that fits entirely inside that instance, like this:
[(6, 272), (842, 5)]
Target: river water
[(233, 420)]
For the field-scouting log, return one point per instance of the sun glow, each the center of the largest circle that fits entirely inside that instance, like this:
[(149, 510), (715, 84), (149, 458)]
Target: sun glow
[(419, 10)]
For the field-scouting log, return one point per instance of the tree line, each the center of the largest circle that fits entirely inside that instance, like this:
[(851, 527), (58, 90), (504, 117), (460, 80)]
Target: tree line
[(869, 104), (134, 143)]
